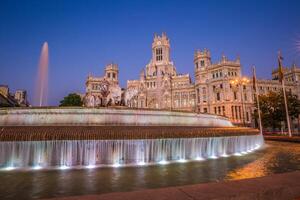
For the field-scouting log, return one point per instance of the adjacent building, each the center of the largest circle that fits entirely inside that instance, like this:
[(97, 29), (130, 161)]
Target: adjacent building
[(19, 98), (105, 90)]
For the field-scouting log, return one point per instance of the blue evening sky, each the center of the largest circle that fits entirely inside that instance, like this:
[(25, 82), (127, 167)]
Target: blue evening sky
[(84, 36)]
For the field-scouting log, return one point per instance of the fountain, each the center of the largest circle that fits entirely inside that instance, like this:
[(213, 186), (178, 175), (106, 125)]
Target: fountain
[(87, 138), (42, 78)]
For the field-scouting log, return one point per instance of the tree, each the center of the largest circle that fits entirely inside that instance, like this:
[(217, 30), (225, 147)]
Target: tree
[(72, 99), (273, 110)]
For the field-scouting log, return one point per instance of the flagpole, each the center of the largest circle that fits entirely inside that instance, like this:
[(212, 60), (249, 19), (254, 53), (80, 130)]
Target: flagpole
[(257, 100), (281, 79), (286, 109)]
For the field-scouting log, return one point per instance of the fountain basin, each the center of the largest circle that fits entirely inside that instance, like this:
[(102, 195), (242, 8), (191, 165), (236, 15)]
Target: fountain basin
[(106, 116), (79, 137)]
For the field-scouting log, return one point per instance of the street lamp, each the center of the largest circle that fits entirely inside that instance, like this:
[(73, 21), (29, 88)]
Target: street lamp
[(240, 82)]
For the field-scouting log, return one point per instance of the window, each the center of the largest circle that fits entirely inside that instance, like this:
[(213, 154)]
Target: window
[(197, 65), (244, 87), (204, 94), (223, 108), (219, 110), (218, 96), (221, 74), (108, 75), (159, 56), (205, 110), (235, 95), (202, 63), (113, 75), (221, 86), (245, 96), (215, 110)]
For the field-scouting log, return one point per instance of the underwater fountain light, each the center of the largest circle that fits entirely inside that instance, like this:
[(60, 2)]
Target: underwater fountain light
[(37, 167), (9, 168), (141, 163), (199, 158), (237, 154), (64, 167), (116, 165), (225, 155), (163, 162), (90, 166), (213, 157), (182, 160)]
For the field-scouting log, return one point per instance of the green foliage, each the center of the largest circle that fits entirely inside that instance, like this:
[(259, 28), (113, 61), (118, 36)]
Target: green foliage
[(273, 109), (71, 100)]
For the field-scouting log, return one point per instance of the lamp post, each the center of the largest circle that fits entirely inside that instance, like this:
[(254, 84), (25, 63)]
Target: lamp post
[(240, 83)]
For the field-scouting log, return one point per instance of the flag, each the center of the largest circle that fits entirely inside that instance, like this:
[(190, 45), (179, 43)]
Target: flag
[(254, 79), (280, 69)]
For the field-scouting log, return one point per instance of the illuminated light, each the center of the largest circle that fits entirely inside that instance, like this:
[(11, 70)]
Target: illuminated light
[(9, 168), (64, 167), (225, 155), (182, 160), (237, 154), (163, 162), (213, 157), (91, 166), (199, 158), (244, 152), (37, 167), (116, 165), (141, 163)]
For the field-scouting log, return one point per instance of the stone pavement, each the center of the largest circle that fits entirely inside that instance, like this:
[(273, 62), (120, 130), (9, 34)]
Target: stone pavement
[(279, 186)]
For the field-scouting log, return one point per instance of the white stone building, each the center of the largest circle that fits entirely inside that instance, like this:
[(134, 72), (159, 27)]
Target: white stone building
[(103, 91), (219, 87)]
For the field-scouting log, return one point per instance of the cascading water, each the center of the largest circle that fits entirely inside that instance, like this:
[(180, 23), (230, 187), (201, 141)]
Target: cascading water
[(90, 153), (41, 90)]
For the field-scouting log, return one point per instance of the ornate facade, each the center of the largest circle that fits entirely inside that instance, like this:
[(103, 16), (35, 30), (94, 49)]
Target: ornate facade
[(160, 86), (103, 91), (219, 87)]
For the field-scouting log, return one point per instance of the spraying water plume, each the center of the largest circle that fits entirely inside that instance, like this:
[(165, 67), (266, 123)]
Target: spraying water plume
[(41, 91)]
